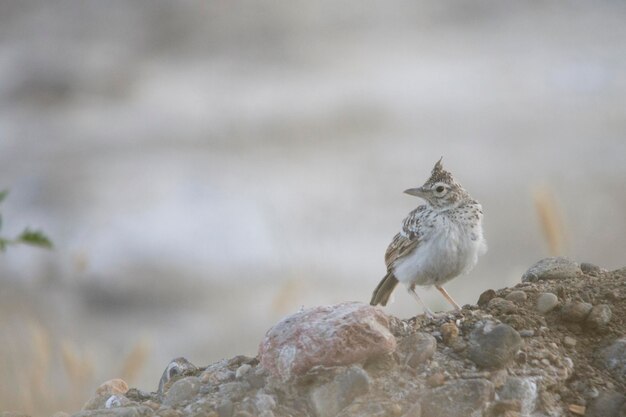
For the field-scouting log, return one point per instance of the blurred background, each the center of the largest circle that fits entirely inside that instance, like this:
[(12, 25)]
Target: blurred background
[(206, 167)]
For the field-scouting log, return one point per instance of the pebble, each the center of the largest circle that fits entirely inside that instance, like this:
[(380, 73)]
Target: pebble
[(493, 345), (449, 333), (176, 367), (225, 408), (264, 402), (599, 316), (569, 341), (334, 335), (613, 358), (414, 411), (435, 380), (554, 268), (523, 389), (328, 399), (112, 386), (576, 311), (257, 378), (608, 404), (590, 269), (485, 297), (527, 333), (577, 409), (116, 400), (517, 296), (181, 391), (546, 302), (501, 305), (107, 395), (471, 397), (417, 348), (242, 370), (136, 411)]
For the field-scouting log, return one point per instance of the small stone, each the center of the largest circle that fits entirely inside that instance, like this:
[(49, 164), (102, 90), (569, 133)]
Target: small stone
[(135, 411), (112, 386), (590, 269), (182, 391), (576, 311), (463, 397), (579, 410), (61, 414), (336, 335), (217, 374), (499, 377), (330, 398), (170, 412), (551, 269), (493, 345), (608, 404), (176, 368), (242, 370), (613, 358), (546, 302), (264, 402), (569, 341), (522, 389), (235, 391), (266, 413), (449, 333), (225, 408), (117, 400), (501, 305), (257, 378), (527, 333), (485, 297), (436, 380), (414, 411), (505, 408), (417, 348), (517, 296), (599, 316), (395, 409)]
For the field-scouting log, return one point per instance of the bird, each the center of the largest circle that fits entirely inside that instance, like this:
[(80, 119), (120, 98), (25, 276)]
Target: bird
[(437, 242)]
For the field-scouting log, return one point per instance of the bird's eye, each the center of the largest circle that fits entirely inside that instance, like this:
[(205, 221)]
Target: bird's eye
[(439, 189)]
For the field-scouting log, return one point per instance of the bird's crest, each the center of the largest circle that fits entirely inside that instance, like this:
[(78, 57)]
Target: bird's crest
[(440, 175)]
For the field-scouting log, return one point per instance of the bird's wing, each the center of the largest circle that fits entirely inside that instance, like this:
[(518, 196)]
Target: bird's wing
[(404, 242), (400, 246)]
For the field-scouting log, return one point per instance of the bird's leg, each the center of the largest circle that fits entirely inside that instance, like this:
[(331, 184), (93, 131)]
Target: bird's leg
[(447, 296), (427, 310)]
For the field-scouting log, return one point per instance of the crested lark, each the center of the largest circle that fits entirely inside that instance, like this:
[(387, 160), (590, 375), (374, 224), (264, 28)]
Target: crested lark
[(437, 241)]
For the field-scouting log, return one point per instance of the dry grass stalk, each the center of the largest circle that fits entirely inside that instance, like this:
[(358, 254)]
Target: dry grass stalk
[(550, 220), (135, 361)]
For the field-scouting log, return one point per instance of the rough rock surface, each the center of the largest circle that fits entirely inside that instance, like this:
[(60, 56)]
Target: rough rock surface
[(325, 336), (552, 268), (471, 362)]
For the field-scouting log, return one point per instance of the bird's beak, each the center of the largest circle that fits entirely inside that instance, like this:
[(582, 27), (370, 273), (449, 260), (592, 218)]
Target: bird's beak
[(417, 192)]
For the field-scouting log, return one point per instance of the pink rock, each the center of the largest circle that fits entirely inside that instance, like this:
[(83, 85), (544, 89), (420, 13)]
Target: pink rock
[(327, 335)]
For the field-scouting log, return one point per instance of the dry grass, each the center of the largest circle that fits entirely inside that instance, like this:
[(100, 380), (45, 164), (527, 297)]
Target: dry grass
[(41, 374), (550, 220)]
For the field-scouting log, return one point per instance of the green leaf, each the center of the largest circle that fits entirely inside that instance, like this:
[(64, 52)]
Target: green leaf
[(35, 238), (3, 195)]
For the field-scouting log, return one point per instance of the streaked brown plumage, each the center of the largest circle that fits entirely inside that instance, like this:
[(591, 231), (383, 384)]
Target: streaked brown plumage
[(437, 241)]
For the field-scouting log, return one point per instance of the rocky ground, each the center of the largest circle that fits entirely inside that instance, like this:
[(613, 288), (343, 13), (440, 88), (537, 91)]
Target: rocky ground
[(553, 345)]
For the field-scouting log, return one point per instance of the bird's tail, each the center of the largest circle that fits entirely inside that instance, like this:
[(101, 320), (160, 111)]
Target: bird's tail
[(384, 289)]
